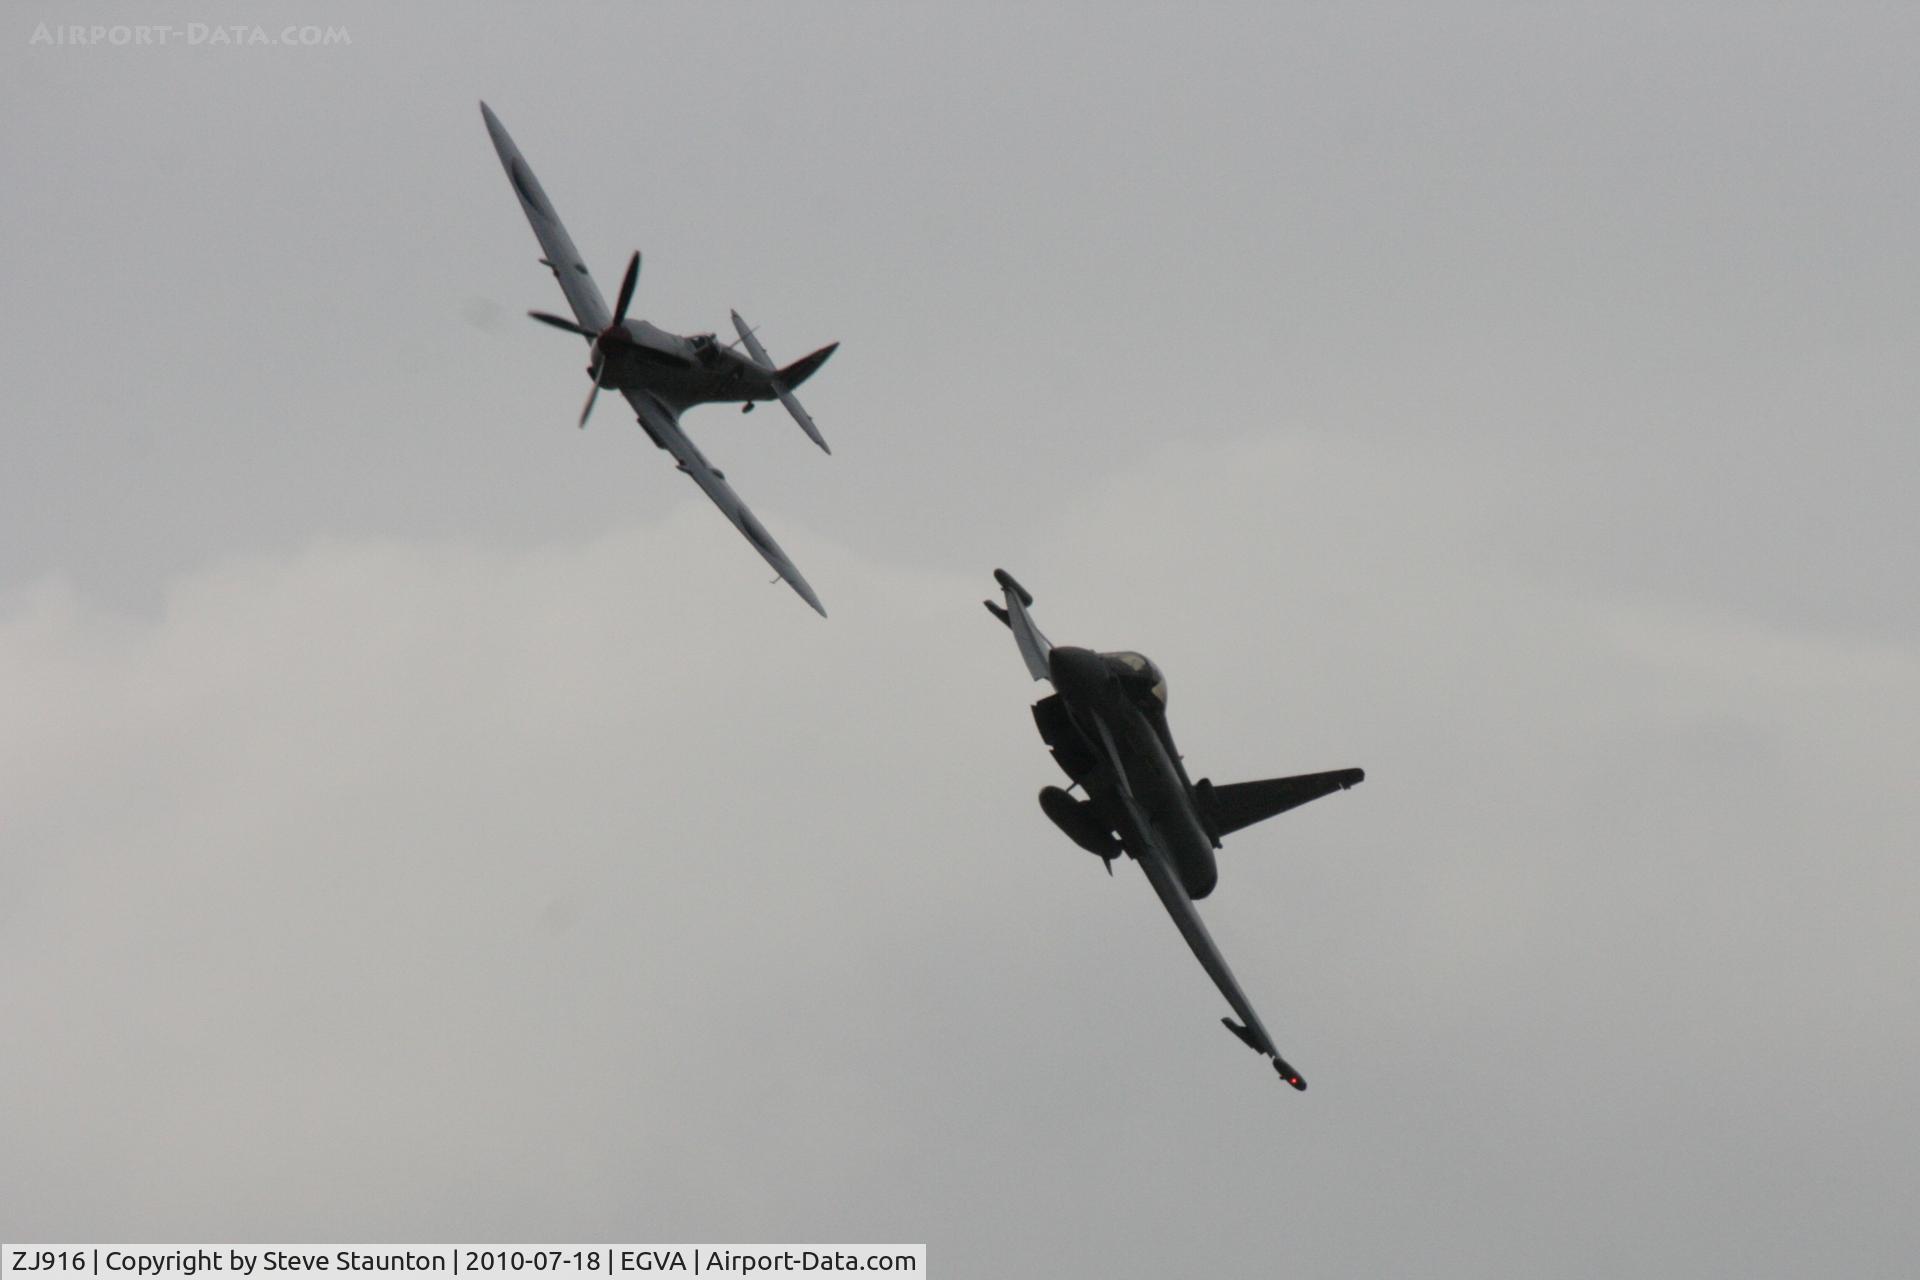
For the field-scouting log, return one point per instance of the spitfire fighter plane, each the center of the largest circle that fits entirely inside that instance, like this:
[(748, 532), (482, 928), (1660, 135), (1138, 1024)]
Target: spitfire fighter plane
[(663, 374), (1106, 724)]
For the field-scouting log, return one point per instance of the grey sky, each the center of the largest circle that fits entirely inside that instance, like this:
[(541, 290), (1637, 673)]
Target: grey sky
[(422, 820)]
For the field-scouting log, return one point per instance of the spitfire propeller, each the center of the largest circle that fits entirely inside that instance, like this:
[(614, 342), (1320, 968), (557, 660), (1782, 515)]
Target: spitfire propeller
[(613, 335)]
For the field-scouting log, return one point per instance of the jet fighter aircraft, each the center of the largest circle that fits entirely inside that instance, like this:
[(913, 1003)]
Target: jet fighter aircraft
[(663, 374), (1106, 723)]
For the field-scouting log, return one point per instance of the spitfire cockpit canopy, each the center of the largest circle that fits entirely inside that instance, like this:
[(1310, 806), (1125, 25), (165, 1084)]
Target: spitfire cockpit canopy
[(1137, 671)]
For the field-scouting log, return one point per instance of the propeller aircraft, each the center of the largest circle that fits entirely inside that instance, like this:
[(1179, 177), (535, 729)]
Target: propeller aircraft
[(663, 374)]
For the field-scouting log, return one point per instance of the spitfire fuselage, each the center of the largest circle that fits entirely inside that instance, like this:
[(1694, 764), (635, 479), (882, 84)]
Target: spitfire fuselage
[(683, 371)]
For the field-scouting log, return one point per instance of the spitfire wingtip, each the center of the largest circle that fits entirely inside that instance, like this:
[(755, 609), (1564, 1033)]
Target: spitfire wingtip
[(804, 590)]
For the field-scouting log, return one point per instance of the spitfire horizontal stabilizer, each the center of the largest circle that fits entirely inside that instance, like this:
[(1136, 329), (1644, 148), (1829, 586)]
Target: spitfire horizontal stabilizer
[(1241, 804), (803, 368), (785, 380)]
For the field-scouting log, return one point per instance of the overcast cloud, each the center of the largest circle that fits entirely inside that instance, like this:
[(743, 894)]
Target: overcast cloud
[(420, 820)]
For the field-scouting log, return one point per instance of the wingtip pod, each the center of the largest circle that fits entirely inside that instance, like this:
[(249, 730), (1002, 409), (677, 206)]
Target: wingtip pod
[(1280, 1067), (1006, 580)]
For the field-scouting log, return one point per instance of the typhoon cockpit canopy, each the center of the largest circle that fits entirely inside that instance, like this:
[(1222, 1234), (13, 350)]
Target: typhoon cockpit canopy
[(1138, 673)]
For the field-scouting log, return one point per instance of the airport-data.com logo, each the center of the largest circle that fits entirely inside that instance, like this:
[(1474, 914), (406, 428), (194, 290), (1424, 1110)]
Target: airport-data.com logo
[(186, 35)]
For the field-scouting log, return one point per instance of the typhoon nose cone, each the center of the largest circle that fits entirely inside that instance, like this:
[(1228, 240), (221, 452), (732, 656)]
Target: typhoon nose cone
[(1075, 671)]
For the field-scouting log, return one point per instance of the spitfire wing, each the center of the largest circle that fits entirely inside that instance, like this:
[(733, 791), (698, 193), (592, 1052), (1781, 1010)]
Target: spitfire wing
[(663, 425), (1033, 646), (589, 308)]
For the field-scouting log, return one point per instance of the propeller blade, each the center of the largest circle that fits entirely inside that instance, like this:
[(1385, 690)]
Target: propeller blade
[(561, 323), (592, 396), (627, 283)]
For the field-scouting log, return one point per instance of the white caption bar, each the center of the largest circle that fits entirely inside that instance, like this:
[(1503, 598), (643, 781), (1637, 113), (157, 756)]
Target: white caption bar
[(583, 1261)]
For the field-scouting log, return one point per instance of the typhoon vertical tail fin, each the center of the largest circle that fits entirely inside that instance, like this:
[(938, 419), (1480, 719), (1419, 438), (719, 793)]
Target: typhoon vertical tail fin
[(1227, 809)]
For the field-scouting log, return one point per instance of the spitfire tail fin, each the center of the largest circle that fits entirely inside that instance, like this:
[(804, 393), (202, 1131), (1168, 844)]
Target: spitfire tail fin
[(803, 368), (1227, 809)]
